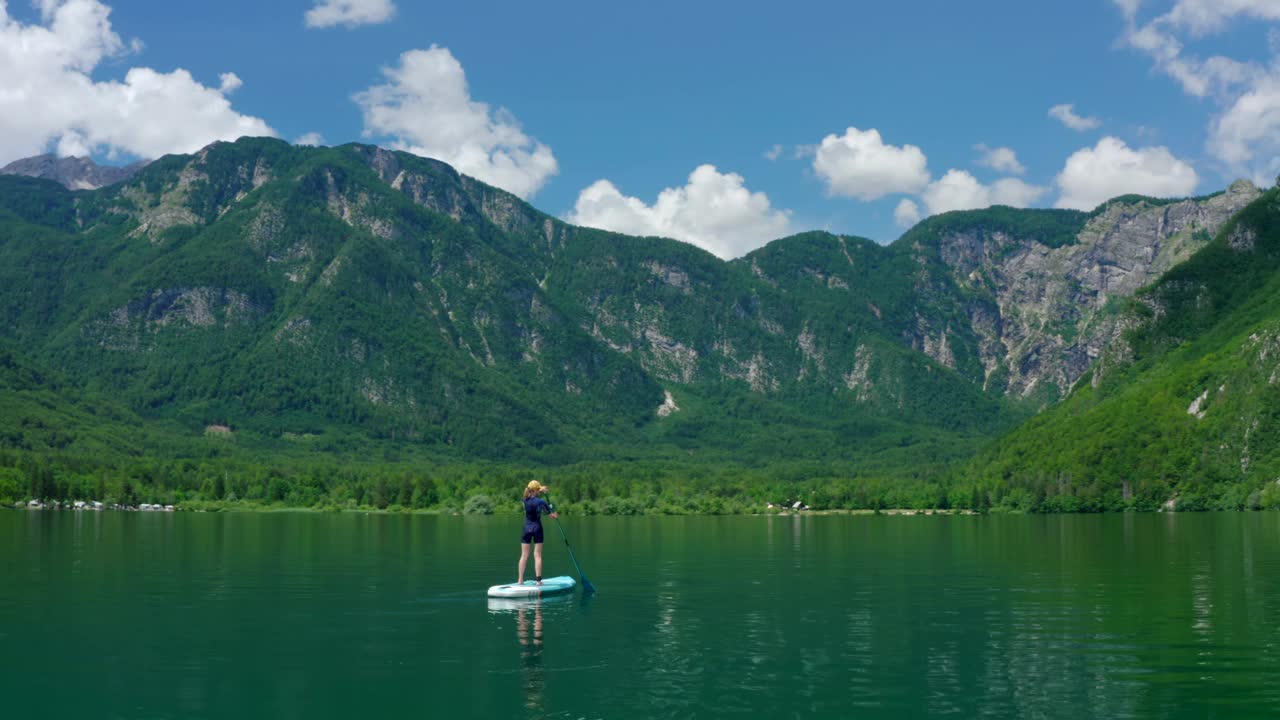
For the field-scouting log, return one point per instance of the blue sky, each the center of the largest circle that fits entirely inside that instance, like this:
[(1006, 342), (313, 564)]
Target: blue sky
[(756, 119)]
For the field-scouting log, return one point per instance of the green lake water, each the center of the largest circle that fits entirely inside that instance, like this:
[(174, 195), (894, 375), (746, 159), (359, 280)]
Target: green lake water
[(295, 615)]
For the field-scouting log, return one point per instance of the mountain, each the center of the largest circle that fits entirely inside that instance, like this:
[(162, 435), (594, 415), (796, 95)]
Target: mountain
[(73, 173), (289, 290), (1183, 410), (1032, 291), (42, 412), (355, 295)]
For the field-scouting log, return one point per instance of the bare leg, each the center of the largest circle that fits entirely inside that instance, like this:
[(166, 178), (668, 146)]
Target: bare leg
[(524, 560), (537, 562)]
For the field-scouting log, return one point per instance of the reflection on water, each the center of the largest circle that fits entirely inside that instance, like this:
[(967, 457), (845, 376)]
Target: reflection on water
[(530, 631), (529, 623), (344, 616)]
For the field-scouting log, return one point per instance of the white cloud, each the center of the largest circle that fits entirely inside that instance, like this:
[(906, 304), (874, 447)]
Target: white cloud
[(1015, 193), (959, 190), (1206, 16), (49, 99), (1146, 132), (713, 210), (229, 82), (1215, 75), (1242, 133), (1129, 7), (773, 153), (1246, 137), (1201, 17), (907, 212), (328, 13), (1066, 115), (427, 108), (860, 165), (313, 139), (1001, 159), (1110, 168)]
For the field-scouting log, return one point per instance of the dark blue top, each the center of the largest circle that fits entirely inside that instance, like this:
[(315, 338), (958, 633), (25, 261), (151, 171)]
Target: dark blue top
[(533, 509)]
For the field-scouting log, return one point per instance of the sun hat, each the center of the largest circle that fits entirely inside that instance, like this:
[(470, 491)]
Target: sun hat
[(535, 486)]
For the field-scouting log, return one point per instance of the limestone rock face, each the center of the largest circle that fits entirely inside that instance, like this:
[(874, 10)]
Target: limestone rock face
[(73, 173), (1017, 317), (360, 280), (1040, 313)]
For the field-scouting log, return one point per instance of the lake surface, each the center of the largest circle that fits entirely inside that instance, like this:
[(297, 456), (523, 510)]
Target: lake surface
[(292, 615)]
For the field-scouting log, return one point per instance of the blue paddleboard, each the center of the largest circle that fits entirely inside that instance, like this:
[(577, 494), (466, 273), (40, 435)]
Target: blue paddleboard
[(530, 588)]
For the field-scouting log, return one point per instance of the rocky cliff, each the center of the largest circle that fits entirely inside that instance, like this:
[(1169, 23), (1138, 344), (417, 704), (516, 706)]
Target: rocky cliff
[(292, 290), (73, 173), (1039, 312), (1183, 412)]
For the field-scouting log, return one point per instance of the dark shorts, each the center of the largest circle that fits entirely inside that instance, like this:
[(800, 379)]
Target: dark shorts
[(531, 536)]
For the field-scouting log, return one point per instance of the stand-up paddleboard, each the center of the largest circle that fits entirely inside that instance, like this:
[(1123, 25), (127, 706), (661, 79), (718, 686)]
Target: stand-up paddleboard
[(506, 605), (530, 588)]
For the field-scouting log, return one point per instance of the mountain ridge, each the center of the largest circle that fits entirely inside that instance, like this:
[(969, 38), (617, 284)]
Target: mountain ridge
[(1180, 412), (359, 292), (73, 173)]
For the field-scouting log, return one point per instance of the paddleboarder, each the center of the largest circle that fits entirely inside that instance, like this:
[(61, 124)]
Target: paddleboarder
[(534, 507)]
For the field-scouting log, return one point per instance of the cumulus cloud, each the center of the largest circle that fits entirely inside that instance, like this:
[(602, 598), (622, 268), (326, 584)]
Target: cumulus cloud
[(229, 82), (1128, 7), (1206, 16), (426, 107), (1066, 115), (1110, 168), (1246, 136), (349, 13), (1000, 159), (1242, 133), (860, 165), (1199, 77), (773, 153), (907, 213), (959, 190), (49, 99), (713, 210), (313, 139)]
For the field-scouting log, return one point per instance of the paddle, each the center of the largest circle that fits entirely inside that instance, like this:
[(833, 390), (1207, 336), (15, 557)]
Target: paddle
[(587, 587)]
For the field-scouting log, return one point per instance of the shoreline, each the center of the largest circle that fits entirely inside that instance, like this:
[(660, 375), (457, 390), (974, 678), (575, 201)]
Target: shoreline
[(245, 508)]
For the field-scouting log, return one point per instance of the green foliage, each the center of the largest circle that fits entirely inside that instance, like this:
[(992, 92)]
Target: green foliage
[(1133, 199), (12, 488), (302, 296), (262, 326), (1189, 416), (36, 201), (1054, 228), (478, 505)]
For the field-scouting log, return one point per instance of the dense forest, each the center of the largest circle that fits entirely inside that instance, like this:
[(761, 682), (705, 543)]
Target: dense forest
[(261, 325), (1183, 411)]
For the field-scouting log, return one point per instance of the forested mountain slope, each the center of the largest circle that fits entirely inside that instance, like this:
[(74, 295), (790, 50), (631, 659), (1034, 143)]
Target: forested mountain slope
[(1185, 407), (358, 297)]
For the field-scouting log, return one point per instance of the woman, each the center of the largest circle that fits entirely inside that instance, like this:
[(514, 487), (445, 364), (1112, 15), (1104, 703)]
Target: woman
[(534, 506)]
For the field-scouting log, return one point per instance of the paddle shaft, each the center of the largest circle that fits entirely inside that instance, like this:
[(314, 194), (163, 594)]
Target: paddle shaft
[(586, 584)]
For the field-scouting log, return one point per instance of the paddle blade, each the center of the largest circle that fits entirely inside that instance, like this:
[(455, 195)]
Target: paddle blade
[(587, 587)]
